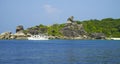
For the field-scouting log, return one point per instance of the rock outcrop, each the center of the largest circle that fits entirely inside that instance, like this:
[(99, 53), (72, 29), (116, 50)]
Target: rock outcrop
[(97, 36), (5, 35), (19, 29), (37, 30), (72, 30), (70, 19), (18, 35)]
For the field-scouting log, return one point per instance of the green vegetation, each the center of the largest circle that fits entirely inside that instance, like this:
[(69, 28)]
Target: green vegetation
[(109, 26), (54, 30)]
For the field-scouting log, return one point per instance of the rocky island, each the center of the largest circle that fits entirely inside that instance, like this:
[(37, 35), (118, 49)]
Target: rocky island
[(18, 35), (72, 29)]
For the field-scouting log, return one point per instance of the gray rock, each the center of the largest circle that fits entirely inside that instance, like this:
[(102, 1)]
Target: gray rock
[(70, 19), (19, 29), (37, 30), (74, 31), (98, 36)]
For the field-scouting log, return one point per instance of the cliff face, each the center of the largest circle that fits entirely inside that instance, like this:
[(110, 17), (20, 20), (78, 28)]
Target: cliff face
[(74, 30)]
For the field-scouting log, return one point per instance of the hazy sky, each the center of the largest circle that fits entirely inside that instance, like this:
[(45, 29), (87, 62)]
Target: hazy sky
[(34, 12)]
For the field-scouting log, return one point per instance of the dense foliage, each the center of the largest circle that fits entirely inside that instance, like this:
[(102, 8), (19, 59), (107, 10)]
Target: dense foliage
[(53, 30), (110, 27)]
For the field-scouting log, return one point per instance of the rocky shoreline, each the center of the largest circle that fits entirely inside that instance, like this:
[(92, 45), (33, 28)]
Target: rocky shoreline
[(20, 35), (70, 30)]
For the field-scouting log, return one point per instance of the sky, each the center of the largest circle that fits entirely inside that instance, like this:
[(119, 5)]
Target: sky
[(47, 12)]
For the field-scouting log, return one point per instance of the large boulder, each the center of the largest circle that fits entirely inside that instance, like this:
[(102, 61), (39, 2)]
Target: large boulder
[(70, 19), (5, 35), (19, 29), (19, 33), (73, 31), (97, 36)]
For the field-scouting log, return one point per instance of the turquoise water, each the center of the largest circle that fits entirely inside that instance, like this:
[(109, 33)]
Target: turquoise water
[(60, 52)]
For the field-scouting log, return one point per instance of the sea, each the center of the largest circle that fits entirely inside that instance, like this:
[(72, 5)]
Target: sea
[(60, 52)]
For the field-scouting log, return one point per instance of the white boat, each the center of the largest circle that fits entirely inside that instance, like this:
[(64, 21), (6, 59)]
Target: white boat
[(38, 37), (115, 38)]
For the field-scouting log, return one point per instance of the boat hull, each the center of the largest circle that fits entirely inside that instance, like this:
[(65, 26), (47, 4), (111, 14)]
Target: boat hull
[(115, 38), (29, 38)]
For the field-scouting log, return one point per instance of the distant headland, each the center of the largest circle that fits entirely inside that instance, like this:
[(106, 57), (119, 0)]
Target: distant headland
[(72, 29)]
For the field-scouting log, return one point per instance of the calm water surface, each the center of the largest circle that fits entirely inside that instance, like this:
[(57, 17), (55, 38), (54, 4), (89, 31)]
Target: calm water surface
[(59, 52)]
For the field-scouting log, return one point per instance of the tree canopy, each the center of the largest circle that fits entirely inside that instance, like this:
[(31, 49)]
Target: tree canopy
[(109, 26)]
